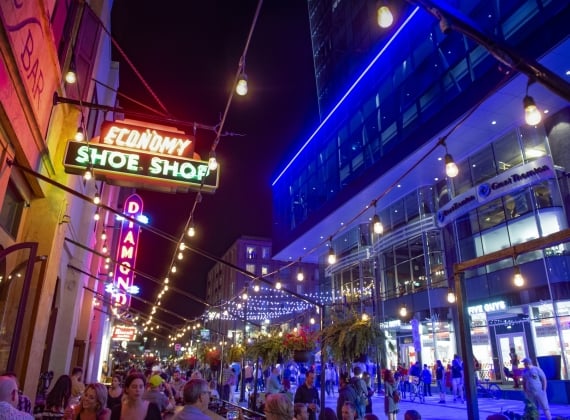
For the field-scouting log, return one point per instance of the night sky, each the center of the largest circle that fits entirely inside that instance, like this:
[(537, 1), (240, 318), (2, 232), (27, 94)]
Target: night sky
[(188, 52)]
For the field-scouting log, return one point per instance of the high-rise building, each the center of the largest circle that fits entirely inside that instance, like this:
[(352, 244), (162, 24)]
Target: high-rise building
[(396, 106)]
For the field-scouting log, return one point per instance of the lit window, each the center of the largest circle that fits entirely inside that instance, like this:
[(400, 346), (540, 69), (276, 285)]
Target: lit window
[(250, 268), (250, 253), (264, 270)]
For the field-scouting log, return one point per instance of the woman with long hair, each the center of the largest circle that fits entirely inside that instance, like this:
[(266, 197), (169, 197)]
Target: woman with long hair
[(115, 391), (391, 404), (133, 407), (93, 405), (57, 399)]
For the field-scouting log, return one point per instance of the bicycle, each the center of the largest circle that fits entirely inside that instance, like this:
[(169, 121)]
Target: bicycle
[(417, 390), (488, 390)]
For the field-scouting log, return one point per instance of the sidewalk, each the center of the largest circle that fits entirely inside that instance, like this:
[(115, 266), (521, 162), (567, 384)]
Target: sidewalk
[(432, 410)]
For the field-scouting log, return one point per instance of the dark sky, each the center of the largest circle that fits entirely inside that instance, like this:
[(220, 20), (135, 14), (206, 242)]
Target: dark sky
[(188, 52)]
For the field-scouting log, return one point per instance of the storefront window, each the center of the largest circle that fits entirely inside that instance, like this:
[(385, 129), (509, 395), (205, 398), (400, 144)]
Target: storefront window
[(507, 152), (482, 165)]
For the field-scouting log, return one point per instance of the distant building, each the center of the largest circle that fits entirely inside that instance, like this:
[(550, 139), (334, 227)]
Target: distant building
[(253, 255)]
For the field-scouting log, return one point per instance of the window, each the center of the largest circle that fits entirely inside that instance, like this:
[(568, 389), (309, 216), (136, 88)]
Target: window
[(250, 253), (12, 208), (250, 268), (265, 252), (264, 270)]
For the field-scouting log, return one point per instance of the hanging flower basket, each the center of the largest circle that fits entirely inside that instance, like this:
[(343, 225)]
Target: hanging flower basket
[(301, 356)]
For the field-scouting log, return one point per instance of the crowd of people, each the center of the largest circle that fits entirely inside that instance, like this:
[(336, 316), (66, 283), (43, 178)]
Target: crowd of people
[(156, 394)]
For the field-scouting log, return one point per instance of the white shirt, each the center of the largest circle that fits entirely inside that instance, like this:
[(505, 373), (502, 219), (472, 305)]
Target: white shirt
[(9, 412)]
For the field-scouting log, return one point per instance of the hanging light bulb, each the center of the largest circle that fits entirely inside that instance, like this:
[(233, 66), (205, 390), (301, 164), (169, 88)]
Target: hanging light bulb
[(104, 235), (365, 316), (385, 17), (278, 285), (173, 269), (377, 225), (180, 256), (105, 248), (88, 173), (403, 311), (450, 296), (451, 169), (182, 246), (312, 321), (212, 162), (256, 287), (241, 86), (191, 231), (96, 216), (71, 75), (332, 256), (79, 134), (97, 198), (532, 115), (518, 279), (300, 275)]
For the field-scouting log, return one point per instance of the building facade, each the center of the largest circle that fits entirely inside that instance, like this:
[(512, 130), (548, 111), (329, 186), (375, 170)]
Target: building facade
[(418, 94), (54, 314), (226, 285)]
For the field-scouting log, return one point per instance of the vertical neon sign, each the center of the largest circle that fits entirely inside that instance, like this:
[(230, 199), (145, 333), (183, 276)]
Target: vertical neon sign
[(127, 251)]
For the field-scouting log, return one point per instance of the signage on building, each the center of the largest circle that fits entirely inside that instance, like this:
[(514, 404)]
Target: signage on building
[(124, 333), (496, 306), (506, 183), (144, 156), (124, 275), (205, 334), (26, 27)]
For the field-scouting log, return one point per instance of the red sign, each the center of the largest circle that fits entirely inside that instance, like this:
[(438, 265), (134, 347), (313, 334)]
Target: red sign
[(124, 333), (127, 251)]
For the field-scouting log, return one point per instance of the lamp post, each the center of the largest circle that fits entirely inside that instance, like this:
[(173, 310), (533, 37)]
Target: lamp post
[(244, 343)]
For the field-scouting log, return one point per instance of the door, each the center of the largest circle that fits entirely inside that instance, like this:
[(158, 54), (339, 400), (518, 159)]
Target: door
[(506, 342)]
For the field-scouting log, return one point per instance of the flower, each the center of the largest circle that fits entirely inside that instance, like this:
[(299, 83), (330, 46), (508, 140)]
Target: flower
[(300, 339)]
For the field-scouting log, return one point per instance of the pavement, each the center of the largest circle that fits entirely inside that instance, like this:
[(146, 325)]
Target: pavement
[(432, 410)]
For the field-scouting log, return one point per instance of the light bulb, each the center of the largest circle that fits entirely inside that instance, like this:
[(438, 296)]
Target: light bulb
[(278, 285), (300, 275), (331, 257), (71, 76), (518, 279), (88, 174), (451, 296), (212, 163), (256, 288), (532, 115), (241, 86), (451, 169), (403, 311), (104, 249), (385, 17), (97, 198), (96, 216), (79, 134), (180, 255), (103, 235), (377, 225), (191, 231)]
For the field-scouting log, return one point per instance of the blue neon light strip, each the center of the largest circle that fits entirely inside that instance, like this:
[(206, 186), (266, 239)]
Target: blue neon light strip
[(348, 92)]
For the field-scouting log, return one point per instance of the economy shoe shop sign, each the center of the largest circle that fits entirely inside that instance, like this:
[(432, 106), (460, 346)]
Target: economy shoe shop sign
[(142, 156)]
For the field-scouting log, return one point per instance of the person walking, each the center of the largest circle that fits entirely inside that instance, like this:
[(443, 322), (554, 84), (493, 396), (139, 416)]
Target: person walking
[(439, 378), (426, 379), (534, 386), (457, 378), (391, 398)]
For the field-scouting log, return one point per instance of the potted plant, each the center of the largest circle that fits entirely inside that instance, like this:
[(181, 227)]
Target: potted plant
[(300, 343), (236, 353), (268, 347), (348, 339)]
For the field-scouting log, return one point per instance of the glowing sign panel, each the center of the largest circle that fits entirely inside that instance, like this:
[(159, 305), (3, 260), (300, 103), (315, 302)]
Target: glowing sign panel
[(124, 333), (127, 252), (139, 168)]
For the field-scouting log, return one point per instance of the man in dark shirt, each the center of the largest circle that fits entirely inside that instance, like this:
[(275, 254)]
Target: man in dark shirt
[(307, 394)]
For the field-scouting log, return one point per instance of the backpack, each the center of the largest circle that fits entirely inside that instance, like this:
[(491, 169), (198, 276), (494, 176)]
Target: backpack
[(396, 396)]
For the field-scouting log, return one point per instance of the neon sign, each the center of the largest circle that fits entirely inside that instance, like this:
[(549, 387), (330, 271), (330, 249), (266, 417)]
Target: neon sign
[(127, 252), (122, 167), (143, 155)]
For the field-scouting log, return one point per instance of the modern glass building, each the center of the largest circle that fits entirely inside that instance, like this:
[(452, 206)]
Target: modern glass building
[(392, 105)]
